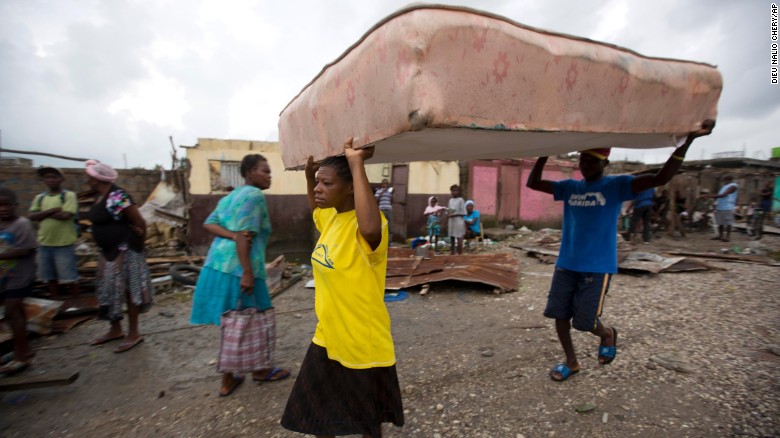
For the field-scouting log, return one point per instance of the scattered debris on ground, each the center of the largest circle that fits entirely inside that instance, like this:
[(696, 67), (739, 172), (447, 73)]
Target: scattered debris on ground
[(698, 355)]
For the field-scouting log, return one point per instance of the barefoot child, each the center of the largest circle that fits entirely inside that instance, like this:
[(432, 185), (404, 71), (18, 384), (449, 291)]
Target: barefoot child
[(434, 211), (17, 272)]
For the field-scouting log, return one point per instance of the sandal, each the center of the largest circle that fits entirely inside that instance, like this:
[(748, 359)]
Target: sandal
[(564, 371), (607, 353), (273, 375), (127, 345), (14, 367), (106, 338)]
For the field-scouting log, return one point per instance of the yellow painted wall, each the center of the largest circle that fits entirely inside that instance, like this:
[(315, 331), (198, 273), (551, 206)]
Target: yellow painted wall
[(429, 177), (377, 172), (283, 182), (424, 177)]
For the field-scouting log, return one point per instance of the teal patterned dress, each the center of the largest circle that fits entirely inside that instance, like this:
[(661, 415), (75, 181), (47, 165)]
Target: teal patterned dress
[(218, 289)]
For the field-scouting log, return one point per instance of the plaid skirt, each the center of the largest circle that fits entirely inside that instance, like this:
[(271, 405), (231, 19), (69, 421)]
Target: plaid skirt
[(331, 399)]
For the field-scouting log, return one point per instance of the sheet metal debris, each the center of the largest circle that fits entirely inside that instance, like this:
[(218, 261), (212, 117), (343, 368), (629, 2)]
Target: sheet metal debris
[(688, 265), (634, 262), (726, 257), (638, 262), (646, 261), (404, 269), (544, 255)]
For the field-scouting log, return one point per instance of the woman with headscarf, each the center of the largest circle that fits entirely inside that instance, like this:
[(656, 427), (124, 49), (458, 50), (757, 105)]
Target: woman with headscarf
[(123, 275)]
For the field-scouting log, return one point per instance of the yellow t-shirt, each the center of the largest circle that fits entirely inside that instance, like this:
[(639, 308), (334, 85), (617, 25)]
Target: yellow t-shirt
[(353, 322), (55, 232)]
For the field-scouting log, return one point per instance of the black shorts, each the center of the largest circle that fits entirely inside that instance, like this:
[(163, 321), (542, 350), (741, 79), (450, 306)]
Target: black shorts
[(578, 296)]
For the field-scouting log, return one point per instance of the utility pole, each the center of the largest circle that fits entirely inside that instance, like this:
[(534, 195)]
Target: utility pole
[(173, 153)]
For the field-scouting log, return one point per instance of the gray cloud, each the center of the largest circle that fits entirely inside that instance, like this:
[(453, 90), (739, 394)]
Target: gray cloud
[(99, 52)]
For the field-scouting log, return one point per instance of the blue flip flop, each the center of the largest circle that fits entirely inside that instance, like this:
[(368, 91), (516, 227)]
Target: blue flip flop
[(610, 352), (274, 375), (563, 370)]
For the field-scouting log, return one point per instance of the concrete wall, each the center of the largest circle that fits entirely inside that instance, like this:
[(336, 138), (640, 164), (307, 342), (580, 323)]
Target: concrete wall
[(290, 215), (215, 150), (497, 196), (209, 152), (293, 229), (538, 207), (484, 189), (26, 183), (377, 172), (432, 177)]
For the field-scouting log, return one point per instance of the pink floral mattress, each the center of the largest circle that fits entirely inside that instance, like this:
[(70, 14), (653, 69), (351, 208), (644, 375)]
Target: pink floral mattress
[(450, 83)]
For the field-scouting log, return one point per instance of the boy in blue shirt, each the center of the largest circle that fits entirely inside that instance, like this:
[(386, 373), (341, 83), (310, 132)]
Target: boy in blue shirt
[(588, 254)]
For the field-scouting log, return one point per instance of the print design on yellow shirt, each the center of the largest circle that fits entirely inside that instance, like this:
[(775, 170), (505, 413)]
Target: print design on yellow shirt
[(320, 255)]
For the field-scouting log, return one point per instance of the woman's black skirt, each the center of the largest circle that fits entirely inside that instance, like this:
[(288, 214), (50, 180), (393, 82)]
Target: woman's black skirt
[(331, 399)]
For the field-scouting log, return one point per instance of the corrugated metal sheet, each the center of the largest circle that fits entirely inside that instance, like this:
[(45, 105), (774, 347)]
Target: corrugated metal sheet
[(402, 266), (404, 269)]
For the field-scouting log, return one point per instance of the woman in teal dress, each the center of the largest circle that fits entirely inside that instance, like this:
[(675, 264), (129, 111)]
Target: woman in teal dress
[(235, 266)]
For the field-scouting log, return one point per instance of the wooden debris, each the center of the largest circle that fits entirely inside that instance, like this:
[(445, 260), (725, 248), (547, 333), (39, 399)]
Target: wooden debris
[(189, 260), (66, 325), (48, 381)]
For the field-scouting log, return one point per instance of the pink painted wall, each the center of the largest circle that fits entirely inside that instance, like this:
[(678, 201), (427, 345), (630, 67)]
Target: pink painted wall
[(484, 188), (539, 206), (534, 206)]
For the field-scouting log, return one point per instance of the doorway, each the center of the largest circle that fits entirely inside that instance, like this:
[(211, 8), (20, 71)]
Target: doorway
[(400, 183)]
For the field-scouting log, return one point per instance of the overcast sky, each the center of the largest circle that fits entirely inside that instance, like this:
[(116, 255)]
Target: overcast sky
[(113, 79)]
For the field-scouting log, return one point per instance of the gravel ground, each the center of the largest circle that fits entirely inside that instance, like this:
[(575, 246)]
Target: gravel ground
[(471, 364)]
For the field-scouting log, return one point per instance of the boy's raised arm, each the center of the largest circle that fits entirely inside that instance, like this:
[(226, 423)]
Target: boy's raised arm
[(535, 180)]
